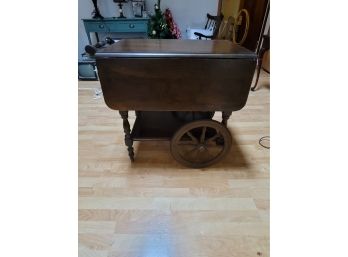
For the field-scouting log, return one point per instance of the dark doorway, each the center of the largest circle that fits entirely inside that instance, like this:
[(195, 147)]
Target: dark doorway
[(258, 12)]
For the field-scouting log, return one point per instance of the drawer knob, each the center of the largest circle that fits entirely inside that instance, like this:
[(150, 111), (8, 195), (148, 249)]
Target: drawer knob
[(101, 26), (131, 26)]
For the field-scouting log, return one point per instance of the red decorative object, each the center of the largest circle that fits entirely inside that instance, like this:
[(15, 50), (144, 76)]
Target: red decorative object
[(173, 27)]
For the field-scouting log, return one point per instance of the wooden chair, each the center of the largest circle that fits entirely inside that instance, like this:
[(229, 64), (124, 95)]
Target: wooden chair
[(236, 28), (212, 24)]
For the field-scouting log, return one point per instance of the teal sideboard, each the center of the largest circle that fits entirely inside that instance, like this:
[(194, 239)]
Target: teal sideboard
[(128, 27)]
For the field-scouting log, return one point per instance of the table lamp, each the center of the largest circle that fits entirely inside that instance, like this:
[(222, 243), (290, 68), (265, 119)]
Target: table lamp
[(96, 12)]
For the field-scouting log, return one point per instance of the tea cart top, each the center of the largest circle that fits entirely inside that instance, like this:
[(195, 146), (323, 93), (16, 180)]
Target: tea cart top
[(175, 48)]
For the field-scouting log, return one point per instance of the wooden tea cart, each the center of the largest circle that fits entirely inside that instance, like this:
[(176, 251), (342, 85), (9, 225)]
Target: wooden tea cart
[(174, 87)]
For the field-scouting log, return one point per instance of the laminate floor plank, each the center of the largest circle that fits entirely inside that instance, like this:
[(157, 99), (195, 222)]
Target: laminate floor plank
[(155, 206)]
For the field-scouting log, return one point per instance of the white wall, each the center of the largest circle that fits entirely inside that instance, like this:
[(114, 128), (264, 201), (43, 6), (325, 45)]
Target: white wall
[(85, 8), (186, 13)]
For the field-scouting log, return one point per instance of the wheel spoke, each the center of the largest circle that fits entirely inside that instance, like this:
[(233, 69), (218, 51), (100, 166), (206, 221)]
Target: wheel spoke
[(192, 154), (186, 150), (190, 151), (195, 140), (211, 139), (215, 150), (215, 147), (205, 156), (203, 135), (186, 143)]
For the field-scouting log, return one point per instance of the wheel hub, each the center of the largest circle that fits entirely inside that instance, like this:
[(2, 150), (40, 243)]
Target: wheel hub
[(201, 147)]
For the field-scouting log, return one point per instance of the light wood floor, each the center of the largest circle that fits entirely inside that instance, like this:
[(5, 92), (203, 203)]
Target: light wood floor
[(157, 208)]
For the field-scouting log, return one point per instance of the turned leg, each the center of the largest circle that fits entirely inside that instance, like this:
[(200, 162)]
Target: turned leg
[(257, 74), (127, 137), (225, 116), (258, 68)]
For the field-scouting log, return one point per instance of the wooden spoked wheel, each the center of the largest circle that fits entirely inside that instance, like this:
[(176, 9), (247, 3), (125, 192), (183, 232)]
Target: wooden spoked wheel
[(199, 144), (243, 17)]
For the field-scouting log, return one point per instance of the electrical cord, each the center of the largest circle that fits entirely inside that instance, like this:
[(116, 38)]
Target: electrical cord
[(266, 138)]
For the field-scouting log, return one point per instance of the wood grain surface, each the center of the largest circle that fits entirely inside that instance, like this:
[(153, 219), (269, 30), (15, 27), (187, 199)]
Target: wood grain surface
[(175, 84), (174, 48), (154, 207)]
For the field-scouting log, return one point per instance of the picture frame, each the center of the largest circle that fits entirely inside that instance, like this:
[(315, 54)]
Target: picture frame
[(138, 7)]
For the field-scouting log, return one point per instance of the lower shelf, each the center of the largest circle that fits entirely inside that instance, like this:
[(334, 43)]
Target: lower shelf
[(155, 126)]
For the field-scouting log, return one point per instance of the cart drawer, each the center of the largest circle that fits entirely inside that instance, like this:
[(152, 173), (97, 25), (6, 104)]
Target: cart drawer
[(132, 27), (128, 25)]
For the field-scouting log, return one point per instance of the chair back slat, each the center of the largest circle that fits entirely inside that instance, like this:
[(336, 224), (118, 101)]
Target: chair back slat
[(213, 22)]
